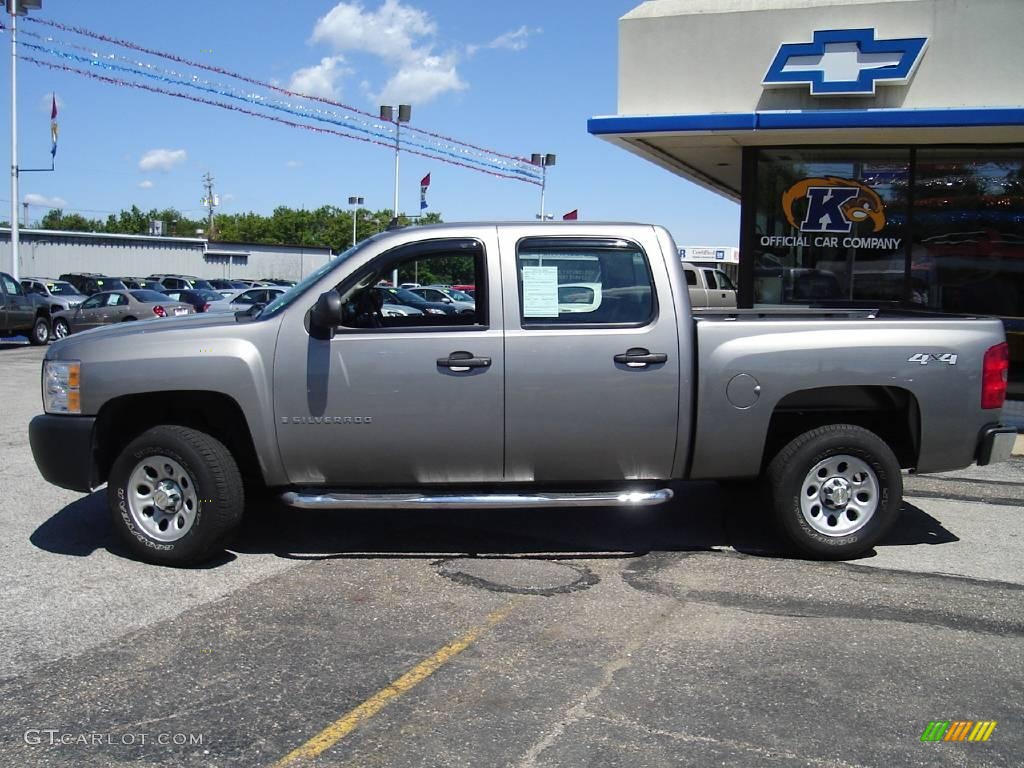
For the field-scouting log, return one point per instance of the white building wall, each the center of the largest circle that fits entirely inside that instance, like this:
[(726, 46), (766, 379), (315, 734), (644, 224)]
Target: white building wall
[(50, 255), (707, 56)]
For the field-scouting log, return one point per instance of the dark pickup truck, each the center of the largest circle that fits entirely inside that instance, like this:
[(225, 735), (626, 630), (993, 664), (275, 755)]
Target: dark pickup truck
[(22, 314)]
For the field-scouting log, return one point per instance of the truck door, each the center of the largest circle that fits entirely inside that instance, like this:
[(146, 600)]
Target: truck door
[(695, 285), (392, 400), (591, 395), (18, 306)]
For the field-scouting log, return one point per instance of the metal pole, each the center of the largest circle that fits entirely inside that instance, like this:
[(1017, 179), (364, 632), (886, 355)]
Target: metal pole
[(543, 184), (355, 213), (14, 140), (398, 129)]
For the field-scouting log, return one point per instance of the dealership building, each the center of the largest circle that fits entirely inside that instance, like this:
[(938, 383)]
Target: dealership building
[(876, 147)]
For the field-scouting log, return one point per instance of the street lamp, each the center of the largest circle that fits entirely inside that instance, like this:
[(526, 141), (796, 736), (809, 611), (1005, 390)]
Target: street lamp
[(543, 161), (404, 114), (16, 8), (356, 201)]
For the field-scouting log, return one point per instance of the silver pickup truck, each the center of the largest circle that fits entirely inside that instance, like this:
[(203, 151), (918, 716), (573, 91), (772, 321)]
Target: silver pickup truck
[(529, 401)]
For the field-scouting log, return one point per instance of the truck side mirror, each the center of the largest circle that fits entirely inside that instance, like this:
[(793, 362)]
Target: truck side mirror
[(326, 315)]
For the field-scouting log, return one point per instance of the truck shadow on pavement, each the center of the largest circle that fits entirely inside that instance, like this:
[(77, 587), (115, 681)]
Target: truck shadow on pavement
[(702, 517)]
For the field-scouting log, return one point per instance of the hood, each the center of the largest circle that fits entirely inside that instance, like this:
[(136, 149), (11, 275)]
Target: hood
[(153, 329)]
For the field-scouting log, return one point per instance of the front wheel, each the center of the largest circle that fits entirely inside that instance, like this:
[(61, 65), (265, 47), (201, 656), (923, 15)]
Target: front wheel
[(175, 495), (836, 491), (61, 328), (40, 333)]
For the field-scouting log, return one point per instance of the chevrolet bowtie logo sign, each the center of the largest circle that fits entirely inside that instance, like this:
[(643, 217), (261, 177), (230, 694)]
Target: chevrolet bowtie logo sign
[(845, 62)]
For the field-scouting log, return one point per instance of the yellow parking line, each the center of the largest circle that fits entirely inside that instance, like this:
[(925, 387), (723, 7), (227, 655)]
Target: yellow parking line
[(340, 728)]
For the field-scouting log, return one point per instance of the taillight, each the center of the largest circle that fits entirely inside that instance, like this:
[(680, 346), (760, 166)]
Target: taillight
[(994, 373), (159, 311), (206, 307)]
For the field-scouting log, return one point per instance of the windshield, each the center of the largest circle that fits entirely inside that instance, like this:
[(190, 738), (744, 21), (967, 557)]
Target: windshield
[(404, 295), (110, 284), (202, 284), (62, 289), (149, 296), (313, 277), (457, 295)]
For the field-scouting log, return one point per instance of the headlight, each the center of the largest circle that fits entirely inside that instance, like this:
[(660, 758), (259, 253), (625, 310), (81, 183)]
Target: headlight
[(61, 380), (435, 311)]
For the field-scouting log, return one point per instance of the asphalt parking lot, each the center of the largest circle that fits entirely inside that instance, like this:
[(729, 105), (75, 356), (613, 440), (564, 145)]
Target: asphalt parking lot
[(672, 636)]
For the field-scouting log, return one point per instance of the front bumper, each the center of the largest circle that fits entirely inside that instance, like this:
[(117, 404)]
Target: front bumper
[(995, 444), (62, 447)]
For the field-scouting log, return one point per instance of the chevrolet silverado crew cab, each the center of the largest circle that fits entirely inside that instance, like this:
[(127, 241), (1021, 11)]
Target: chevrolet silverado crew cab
[(22, 313), (534, 399)]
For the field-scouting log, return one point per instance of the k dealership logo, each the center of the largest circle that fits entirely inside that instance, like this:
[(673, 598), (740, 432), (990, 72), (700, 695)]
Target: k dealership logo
[(832, 205)]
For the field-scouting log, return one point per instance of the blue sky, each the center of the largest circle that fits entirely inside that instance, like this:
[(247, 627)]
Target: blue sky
[(515, 78)]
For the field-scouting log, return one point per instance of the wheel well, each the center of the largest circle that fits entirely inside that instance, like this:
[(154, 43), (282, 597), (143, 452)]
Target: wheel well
[(890, 412), (123, 419)]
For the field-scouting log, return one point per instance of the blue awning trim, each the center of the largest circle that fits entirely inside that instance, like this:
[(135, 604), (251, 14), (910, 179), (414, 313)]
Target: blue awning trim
[(832, 118)]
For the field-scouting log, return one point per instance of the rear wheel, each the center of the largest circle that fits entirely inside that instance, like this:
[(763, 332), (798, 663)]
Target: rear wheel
[(40, 333), (836, 491), (175, 495)]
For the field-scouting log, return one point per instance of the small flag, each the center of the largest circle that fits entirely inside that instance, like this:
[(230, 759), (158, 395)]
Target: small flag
[(53, 126), (572, 215), (424, 183)]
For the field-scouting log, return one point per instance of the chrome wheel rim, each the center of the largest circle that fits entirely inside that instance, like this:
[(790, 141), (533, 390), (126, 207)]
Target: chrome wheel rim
[(162, 498), (60, 330), (839, 495), (41, 331)]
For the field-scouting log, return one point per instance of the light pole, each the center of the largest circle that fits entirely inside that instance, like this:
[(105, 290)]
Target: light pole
[(404, 115), (17, 8), (543, 161), (356, 202)]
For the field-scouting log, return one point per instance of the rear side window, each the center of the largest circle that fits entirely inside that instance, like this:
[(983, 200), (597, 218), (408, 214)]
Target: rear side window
[(709, 276), (583, 282), (691, 277)]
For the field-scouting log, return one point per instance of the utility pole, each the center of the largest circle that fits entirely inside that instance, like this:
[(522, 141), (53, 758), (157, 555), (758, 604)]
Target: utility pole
[(24, 221), (210, 201)]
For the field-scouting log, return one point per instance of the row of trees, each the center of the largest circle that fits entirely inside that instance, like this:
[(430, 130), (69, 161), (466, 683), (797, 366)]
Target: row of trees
[(326, 226)]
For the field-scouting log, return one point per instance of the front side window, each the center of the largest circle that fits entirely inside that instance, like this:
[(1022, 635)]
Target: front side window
[(11, 286), (370, 301), (724, 281), (583, 282), (93, 301)]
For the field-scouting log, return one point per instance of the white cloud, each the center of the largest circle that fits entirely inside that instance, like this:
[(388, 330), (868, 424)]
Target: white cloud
[(512, 41), (392, 31), (402, 36), (47, 202), (162, 159), (422, 81), (293, 163), (320, 79), (146, 184)]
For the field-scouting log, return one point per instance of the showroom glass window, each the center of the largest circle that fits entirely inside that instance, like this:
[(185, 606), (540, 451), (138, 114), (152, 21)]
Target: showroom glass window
[(831, 225), (968, 231)]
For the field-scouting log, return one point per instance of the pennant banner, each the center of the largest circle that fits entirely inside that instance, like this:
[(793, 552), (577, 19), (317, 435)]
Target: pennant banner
[(572, 215), (424, 183), (53, 126)]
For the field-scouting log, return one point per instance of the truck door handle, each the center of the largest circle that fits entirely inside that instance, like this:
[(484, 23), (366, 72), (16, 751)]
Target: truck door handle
[(463, 361), (638, 357)]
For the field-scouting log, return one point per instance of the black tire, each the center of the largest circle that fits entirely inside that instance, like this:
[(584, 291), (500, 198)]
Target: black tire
[(216, 484), (793, 486), (128, 320), (61, 323), (40, 334)]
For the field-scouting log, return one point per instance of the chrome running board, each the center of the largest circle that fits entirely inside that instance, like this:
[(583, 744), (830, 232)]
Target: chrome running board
[(343, 500)]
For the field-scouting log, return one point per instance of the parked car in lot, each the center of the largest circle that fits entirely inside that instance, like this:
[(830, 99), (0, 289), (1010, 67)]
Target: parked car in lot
[(181, 282), (142, 283), (89, 283), (405, 297), (22, 313), (245, 299), (199, 299), (117, 307), (458, 300), (222, 284), (709, 287), (59, 294), (278, 282), (334, 407)]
